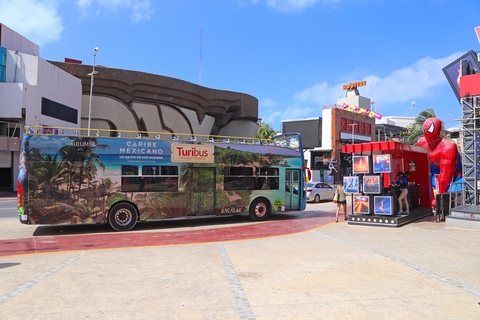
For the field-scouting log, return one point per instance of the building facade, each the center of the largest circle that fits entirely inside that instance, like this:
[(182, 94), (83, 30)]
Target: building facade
[(139, 101), (32, 92)]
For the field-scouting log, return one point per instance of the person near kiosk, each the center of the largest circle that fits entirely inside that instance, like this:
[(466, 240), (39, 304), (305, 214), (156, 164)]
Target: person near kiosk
[(407, 175), (341, 201), (402, 182)]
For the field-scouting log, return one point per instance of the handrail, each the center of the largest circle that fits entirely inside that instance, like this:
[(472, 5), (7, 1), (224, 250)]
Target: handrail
[(43, 130)]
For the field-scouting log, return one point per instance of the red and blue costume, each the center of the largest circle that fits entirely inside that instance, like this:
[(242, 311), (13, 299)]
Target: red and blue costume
[(445, 161)]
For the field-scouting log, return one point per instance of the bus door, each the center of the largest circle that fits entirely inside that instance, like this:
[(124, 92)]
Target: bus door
[(292, 189), (202, 191)]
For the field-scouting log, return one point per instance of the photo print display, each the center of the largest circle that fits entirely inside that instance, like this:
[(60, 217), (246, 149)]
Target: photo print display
[(351, 185), (360, 164), (383, 205), (361, 204), (382, 163), (372, 184)]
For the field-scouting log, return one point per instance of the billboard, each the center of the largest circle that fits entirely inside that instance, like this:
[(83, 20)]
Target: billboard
[(453, 72)]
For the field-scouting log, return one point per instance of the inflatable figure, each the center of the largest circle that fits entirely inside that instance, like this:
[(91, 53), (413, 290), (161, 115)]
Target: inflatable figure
[(443, 155)]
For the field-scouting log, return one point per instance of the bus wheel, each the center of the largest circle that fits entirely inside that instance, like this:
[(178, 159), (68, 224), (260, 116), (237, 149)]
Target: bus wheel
[(122, 217), (259, 209)]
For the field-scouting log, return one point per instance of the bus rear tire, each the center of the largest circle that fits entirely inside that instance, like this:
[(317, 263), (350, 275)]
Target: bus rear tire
[(259, 209), (123, 216)]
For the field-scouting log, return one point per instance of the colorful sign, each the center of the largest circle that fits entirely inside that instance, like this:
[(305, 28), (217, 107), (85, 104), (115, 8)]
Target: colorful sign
[(194, 153), (354, 85)]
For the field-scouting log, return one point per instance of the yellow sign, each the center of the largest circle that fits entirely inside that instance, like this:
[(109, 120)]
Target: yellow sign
[(354, 85), (193, 153)]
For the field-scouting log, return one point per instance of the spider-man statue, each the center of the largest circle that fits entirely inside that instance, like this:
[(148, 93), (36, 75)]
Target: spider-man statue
[(443, 154)]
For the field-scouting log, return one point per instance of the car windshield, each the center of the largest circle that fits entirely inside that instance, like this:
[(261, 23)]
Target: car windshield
[(310, 184)]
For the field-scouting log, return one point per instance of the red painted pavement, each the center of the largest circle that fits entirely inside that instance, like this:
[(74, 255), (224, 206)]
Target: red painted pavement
[(49, 244)]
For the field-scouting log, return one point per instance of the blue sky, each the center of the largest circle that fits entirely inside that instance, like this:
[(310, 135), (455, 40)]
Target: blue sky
[(292, 55)]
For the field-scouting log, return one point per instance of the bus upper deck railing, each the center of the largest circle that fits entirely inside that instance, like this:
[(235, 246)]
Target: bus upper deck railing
[(186, 137)]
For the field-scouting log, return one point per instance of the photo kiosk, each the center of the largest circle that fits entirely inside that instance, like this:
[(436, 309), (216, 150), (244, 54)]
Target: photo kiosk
[(375, 166)]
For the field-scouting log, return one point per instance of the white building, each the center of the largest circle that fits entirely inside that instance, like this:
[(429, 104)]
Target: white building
[(32, 92)]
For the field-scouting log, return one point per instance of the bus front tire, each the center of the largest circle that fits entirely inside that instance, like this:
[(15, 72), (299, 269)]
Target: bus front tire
[(123, 217), (260, 209)]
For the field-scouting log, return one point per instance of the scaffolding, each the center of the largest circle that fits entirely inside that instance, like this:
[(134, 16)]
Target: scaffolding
[(470, 149)]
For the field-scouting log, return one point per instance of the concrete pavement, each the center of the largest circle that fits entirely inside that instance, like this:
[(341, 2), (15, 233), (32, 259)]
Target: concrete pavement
[(423, 270)]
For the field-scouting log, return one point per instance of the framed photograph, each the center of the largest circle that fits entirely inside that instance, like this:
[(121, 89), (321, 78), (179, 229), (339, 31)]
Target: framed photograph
[(361, 204), (382, 163), (372, 184), (360, 164), (383, 205), (453, 70), (351, 185)]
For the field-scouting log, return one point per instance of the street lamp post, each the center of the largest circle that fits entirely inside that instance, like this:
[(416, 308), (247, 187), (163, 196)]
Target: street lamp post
[(413, 108), (91, 89), (353, 131)]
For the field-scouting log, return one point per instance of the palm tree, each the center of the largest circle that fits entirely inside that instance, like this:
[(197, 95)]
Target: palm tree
[(107, 186), (417, 128), (265, 132), (51, 174), (84, 212), (82, 151), (155, 205)]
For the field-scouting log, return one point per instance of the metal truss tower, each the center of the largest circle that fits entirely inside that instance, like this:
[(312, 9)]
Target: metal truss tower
[(471, 149)]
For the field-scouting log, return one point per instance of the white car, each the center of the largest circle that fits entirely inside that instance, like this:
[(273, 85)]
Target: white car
[(317, 191)]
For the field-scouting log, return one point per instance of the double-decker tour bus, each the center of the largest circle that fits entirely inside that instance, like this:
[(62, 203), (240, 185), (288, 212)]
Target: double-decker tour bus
[(72, 179)]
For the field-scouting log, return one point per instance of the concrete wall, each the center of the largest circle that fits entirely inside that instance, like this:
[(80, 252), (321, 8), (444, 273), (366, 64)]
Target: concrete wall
[(11, 40), (139, 101)]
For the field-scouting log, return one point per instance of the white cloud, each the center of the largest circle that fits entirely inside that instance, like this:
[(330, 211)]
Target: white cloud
[(294, 5), (422, 79), (140, 10), (295, 111), (36, 20)]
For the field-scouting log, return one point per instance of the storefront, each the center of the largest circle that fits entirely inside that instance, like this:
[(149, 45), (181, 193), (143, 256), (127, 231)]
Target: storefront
[(374, 166)]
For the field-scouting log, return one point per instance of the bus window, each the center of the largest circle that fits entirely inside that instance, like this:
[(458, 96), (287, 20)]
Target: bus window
[(150, 170), (169, 170), (129, 170), (268, 171), (267, 183), (239, 171), (131, 184), (158, 184), (238, 183)]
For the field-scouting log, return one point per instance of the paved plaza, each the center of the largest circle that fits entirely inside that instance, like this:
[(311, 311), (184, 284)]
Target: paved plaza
[(327, 270)]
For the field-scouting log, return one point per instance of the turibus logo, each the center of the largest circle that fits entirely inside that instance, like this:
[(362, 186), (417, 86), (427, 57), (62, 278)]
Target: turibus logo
[(192, 153)]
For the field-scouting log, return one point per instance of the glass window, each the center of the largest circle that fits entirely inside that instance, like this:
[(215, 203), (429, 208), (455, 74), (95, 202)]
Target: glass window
[(157, 184), (150, 170), (3, 63), (239, 171), (169, 171), (131, 184), (266, 183), (238, 183), (265, 171), (130, 170)]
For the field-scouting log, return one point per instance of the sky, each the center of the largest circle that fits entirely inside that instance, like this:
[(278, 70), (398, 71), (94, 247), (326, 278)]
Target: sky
[(294, 56)]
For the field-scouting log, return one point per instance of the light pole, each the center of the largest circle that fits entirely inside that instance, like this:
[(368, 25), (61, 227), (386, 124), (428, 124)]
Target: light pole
[(91, 88), (353, 131), (413, 108)]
